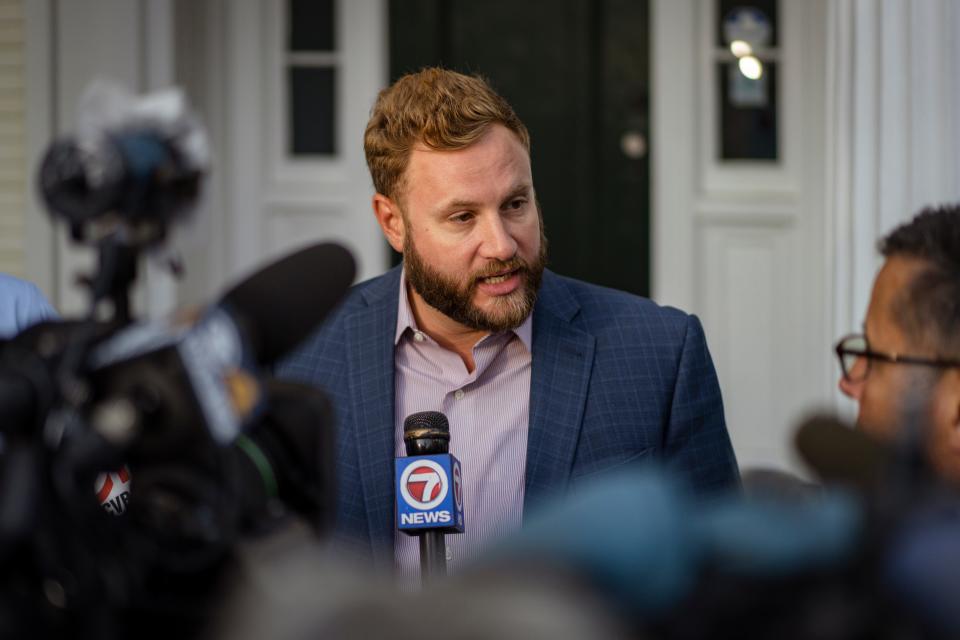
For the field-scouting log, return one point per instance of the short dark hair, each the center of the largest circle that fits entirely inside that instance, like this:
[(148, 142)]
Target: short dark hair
[(930, 309)]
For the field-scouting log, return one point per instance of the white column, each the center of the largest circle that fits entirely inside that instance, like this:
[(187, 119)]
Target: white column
[(157, 27), (39, 255), (893, 131)]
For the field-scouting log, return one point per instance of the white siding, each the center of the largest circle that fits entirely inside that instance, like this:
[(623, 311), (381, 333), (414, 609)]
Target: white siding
[(13, 173)]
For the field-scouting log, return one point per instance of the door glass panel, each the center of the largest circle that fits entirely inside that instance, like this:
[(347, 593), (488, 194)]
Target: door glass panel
[(746, 70), (747, 19), (312, 118), (748, 113), (311, 25), (310, 70)]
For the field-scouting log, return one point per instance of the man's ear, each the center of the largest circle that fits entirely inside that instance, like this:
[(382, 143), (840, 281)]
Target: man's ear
[(390, 220), (949, 406)]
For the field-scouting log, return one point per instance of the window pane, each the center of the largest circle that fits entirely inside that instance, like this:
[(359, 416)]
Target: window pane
[(311, 25), (751, 20), (748, 113), (312, 117)]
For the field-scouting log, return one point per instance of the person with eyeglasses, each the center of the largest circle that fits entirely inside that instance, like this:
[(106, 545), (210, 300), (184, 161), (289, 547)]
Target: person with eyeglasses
[(904, 369)]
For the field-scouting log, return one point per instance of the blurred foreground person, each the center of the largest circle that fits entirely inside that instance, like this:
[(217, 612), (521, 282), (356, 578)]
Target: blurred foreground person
[(289, 587), (634, 554), (21, 306), (904, 369)]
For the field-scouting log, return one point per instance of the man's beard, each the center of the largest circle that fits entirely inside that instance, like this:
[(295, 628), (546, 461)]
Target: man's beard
[(454, 298)]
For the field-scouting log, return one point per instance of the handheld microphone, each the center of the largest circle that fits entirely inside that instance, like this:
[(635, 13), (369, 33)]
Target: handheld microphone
[(216, 360), (192, 508), (157, 394), (429, 489), (287, 455), (842, 455), (276, 312)]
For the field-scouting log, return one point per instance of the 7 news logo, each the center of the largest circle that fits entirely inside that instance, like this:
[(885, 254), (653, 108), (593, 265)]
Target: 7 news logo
[(425, 497)]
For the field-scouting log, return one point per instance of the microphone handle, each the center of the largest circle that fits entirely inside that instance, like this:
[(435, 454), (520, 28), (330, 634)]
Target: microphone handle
[(433, 556), (18, 404)]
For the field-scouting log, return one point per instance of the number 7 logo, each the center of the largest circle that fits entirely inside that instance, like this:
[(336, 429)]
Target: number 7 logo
[(423, 484)]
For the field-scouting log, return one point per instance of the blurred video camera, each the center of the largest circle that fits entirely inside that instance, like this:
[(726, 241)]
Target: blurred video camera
[(134, 455)]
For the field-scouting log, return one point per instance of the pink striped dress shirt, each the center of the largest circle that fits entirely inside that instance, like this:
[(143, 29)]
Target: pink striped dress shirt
[(488, 411)]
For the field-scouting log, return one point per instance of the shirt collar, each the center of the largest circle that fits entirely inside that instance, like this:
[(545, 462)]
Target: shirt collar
[(405, 319)]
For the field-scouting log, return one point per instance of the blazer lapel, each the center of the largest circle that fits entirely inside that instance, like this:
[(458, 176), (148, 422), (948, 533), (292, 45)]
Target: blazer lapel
[(370, 334), (562, 361)]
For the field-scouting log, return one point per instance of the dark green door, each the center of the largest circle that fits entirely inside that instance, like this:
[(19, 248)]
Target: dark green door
[(576, 71)]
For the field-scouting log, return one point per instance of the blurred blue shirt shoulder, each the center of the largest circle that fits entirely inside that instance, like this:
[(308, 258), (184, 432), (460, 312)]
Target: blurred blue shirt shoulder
[(21, 305)]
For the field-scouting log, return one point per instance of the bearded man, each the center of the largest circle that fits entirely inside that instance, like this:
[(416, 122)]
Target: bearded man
[(545, 380)]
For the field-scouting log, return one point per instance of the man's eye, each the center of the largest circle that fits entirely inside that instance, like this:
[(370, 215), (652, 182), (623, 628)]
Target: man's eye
[(516, 204), (466, 216)]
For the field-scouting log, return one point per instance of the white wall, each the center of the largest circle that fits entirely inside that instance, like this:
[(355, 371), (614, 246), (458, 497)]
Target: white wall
[(12, 134), (743, 244), (41, 261), (276, 203), (777, 261), (263, 203), (69, 43)]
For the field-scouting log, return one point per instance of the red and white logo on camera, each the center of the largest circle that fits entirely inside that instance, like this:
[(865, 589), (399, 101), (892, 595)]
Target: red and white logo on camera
[(424, 484), (113, 491)]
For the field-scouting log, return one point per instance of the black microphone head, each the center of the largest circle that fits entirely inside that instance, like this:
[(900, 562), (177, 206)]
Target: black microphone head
[(841, 454), (426, 433), (295, 437), (283, 303)]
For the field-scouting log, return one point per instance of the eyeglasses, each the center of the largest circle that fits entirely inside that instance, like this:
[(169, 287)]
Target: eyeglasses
[(855, 346)]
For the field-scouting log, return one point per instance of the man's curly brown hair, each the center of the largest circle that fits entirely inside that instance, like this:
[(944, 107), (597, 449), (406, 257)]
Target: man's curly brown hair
[(438, 108)]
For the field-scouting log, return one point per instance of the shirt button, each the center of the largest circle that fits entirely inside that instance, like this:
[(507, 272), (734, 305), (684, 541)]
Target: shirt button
[(418, 336), (449, 554), (459, 394)]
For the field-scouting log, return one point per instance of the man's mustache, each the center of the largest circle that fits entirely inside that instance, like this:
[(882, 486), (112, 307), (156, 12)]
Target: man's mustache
[(496, 267)]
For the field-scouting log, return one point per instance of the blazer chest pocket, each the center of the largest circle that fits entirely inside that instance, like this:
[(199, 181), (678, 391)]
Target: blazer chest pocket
[(600, 465)]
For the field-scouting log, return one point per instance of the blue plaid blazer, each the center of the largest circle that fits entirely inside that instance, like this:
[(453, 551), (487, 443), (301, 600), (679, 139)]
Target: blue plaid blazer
[(615, 379)]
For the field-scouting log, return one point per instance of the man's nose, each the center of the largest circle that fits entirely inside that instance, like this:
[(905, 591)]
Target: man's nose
[(497, 242), (853, 388)]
